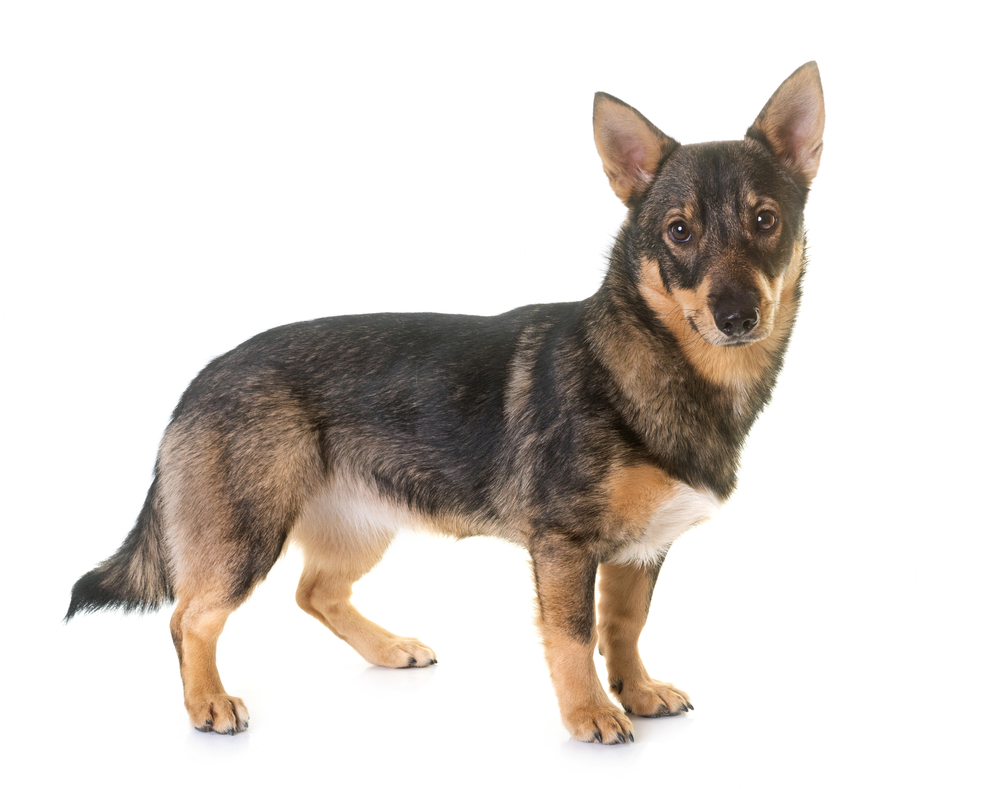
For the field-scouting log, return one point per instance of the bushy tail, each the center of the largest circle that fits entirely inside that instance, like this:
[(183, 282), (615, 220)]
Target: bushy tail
[(137, 577)]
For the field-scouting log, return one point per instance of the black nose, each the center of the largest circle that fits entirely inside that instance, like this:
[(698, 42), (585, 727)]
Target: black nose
[(736, 320)]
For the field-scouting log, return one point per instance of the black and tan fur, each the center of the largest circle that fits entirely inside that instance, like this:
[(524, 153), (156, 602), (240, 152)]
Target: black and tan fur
[(592, 433)]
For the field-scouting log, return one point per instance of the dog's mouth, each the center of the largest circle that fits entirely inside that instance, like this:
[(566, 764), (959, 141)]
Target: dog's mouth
[(734, 342)]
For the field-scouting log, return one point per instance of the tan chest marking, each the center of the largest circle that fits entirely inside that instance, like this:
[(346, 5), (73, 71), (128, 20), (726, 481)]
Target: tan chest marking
[(650, 510)]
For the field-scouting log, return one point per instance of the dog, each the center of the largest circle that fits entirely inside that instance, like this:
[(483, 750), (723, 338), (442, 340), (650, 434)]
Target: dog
[(592, 433)]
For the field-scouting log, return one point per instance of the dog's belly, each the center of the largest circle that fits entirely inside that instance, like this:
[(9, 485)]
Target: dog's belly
[(349, 510), (682, 508)]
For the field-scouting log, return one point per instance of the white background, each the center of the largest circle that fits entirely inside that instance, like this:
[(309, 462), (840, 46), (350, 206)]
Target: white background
[(176, 178)]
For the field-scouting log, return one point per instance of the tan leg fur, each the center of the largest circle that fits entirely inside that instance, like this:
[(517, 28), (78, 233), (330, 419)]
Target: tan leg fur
[(564, 577), (336, 556), (586, 709), (625, 592), (196, 626)]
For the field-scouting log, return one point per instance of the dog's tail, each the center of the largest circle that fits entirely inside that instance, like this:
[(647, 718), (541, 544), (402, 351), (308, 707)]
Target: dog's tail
[(138, 576)]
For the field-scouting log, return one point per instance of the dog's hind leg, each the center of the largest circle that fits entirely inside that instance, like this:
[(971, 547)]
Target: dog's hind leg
[(219, 559), (218, 562), (626, 591), (195, 627), (337, 554), (230, 499)]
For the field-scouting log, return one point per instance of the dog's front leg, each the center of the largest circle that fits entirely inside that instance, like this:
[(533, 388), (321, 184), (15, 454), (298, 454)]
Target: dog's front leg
[(626, 591), (565, 575)]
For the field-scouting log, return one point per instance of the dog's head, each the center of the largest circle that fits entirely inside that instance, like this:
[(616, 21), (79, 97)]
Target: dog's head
[(718, 227)]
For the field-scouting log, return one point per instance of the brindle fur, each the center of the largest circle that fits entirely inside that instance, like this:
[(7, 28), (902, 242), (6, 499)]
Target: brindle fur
[(592, 433)]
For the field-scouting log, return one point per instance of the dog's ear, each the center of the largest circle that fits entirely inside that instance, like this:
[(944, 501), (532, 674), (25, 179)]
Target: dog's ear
[(630, 147), (791, 123)]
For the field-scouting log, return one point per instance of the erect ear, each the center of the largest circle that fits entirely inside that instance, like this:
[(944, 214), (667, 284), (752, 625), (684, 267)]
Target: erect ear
[(631, 147), (791, 123)]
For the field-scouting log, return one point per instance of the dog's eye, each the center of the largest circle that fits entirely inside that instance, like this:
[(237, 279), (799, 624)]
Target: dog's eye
[(766, 220), (680, 232)]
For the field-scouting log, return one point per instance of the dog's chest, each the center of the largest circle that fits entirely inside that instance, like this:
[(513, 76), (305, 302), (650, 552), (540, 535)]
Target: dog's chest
[(676, 510)]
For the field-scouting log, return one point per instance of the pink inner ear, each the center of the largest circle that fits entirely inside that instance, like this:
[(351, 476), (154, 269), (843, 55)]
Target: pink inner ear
[(630, 153), (801, 131), (796, 134), (633, 156)]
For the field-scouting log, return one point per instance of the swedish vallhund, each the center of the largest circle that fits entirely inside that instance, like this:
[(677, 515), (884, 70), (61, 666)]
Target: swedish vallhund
[(592, 433)]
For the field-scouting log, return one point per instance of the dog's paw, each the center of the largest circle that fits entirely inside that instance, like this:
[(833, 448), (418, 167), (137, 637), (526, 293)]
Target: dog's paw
[(606, 725), (651, 699), (219, 713), (405, 653)]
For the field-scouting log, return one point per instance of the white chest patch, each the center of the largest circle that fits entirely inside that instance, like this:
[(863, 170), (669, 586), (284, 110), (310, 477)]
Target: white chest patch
[(683, 508)]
